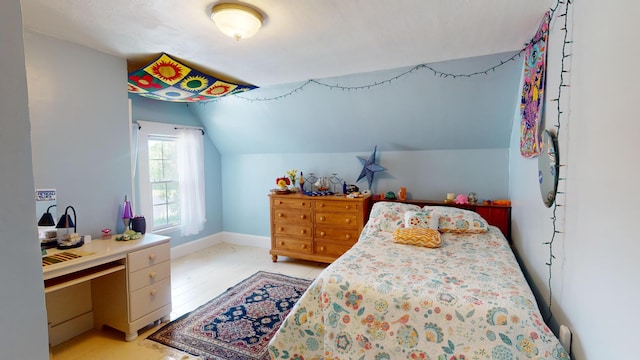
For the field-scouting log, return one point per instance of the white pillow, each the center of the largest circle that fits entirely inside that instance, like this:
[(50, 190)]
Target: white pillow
[(425, 219)]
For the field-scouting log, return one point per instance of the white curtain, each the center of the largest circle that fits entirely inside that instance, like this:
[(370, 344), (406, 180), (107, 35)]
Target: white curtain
[(191, 180), (135, 133)]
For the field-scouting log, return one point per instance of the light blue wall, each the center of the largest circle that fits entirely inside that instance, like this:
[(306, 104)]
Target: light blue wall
[(80, 129), (248, 178), (23, 320), (179, 114), (434, 135), (418, 111)]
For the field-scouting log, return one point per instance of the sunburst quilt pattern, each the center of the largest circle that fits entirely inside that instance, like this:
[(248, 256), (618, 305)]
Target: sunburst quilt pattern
[(170, 80)]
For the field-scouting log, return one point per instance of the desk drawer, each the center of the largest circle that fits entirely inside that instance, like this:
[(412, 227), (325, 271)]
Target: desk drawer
[(149, 275), (149, 298), (148, 257)]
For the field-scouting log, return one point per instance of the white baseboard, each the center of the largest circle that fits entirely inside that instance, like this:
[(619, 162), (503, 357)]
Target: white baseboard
[(247, 240), (231, 238), (195, 245)]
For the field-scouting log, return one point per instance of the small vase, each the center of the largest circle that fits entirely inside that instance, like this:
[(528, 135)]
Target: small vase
[(402, 194)]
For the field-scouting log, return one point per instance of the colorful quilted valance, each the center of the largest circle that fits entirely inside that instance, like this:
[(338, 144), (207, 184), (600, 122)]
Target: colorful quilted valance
[(170, 80)]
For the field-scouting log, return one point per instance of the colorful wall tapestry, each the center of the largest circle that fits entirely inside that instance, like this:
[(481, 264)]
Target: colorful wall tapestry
[(532, 100), (170, 80)]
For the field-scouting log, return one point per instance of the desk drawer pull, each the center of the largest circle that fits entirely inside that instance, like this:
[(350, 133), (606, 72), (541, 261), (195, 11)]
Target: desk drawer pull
[(152, 275), (152, 257), (153, 292)]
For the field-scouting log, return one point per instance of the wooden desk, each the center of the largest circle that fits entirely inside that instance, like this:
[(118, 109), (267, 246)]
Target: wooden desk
[(125, 285)]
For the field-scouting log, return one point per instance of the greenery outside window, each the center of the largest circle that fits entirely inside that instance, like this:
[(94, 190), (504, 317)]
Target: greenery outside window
[(163, 178)]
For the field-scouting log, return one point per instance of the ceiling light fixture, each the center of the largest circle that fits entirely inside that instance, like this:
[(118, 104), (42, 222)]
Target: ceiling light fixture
[(236, 20)]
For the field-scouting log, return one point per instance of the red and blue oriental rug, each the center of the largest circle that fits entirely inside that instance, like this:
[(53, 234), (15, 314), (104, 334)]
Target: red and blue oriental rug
[(237, 324)]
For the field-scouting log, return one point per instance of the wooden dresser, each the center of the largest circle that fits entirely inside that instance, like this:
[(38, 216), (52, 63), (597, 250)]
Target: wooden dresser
[(496, 215), (316, 228)]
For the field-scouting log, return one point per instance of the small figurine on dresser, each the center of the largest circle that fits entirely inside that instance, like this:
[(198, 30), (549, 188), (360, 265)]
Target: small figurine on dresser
[(462, 199)]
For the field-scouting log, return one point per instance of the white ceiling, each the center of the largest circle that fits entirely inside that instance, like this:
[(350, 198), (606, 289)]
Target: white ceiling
[(300, 39)]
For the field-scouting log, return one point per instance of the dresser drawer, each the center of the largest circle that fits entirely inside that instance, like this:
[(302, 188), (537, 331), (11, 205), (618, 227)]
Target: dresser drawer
[(292, 203), (281, 215), (293, 244), (285, 228), (148, 257), (339, 234), (149, 298), (351, 206), (334, 250), (346, 219), (149, 275)]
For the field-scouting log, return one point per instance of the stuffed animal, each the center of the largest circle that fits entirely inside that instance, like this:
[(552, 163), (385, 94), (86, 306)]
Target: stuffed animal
[(462, 199)]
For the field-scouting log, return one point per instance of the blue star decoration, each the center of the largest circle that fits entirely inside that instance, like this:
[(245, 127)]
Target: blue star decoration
[(369, 167)]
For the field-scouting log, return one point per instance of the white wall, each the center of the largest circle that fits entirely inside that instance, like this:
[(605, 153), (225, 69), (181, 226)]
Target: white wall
[(23, 320), (596, 272)]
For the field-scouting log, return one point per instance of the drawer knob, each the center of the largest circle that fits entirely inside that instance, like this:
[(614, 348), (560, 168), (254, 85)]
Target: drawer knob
[(281, 228), (280, 202), (322, 233), (281, 242), (303, 204), (348, 221), (153, 292), (152, 257), (321, 248), (303, 231), (322, 218), (321, 205), (304, 246), (303, 217), (348, 236), (152, 275), (280, 215), (347, 207)]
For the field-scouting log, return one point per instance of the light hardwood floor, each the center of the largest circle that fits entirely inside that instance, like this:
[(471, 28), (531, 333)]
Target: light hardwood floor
[(195, 279)]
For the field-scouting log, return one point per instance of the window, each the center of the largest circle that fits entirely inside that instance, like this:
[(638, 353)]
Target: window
[(163, 178), (170, 177)]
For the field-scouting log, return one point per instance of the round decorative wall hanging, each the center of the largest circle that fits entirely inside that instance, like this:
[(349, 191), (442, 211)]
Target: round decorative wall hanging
[(548, 167)]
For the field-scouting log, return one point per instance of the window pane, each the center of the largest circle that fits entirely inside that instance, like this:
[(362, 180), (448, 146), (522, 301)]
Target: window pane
[(155, 170), (170, 170), (174, 213), (172, 191), (159, 215), (155, 149), (169, 150), (158, 193), (163, 179)]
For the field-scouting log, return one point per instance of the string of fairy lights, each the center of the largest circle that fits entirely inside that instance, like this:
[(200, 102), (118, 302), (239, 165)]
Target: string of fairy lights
[(566, 42), (412, 70)]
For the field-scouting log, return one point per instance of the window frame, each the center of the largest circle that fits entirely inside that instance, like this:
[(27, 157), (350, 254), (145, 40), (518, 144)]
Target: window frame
[(147, 130)]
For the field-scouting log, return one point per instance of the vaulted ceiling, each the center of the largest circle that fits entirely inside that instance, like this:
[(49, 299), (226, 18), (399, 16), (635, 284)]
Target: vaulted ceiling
[(300, 39)]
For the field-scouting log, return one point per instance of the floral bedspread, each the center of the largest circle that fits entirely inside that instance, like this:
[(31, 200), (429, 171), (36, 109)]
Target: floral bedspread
[(467, 299)]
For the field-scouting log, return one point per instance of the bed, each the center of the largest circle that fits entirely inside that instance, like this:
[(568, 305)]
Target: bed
[(466, 299)]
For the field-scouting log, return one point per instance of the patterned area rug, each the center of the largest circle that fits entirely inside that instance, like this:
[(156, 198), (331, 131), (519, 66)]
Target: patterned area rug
[(239, 323)]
